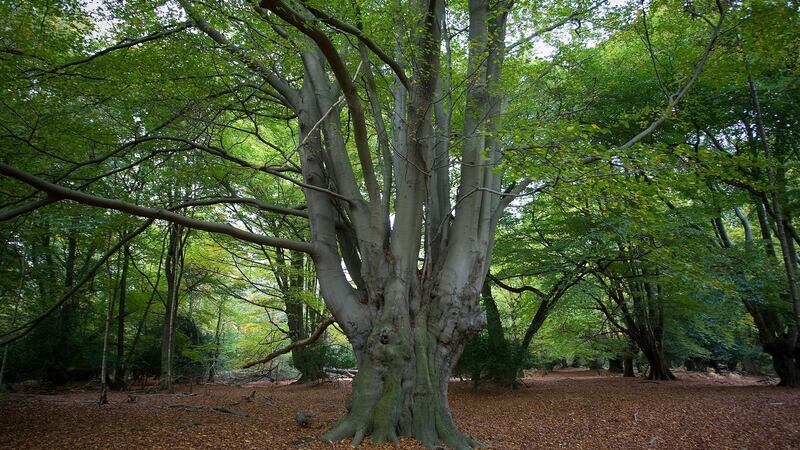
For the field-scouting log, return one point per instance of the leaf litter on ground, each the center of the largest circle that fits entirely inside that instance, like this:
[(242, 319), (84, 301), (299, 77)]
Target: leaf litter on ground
[(571, 409)]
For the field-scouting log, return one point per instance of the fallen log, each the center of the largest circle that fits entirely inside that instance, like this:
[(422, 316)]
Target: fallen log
[(346, 372)]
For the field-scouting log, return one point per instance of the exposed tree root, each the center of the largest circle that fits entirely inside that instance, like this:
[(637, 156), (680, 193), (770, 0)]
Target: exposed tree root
[(431, 425)]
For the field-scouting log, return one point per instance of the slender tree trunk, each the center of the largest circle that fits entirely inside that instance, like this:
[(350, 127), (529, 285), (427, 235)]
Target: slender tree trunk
[(627, 366), (119, 369), (173, 270), (3, 368), (644, 326), (61, 344), (777, 339), (542, 312), (307, 360), (502, 369), (623, 362), (103, 399), (652, 345), (140, 327), (787, 348), (719, 228), (153, 293), (20, 290), (212, 369)]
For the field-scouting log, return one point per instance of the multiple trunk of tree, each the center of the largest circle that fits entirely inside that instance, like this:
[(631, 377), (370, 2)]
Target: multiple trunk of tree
[(407, 321), (637, 300), (777, 326), (505, 362), (785, 347)]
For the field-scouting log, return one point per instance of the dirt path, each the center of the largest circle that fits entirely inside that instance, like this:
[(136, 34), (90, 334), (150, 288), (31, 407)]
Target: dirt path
[(573, 410)]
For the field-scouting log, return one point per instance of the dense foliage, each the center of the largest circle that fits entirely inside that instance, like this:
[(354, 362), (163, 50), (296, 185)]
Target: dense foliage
[(651, 150)]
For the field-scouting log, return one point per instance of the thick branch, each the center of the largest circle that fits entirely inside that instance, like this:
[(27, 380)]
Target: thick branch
[(282, 10), (297, 344), (516, 290), (347, 28), (508, 197), (152, 213), (28, 207), (252, 202)]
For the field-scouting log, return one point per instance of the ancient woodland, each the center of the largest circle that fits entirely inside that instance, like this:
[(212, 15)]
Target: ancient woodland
[(425, 223)]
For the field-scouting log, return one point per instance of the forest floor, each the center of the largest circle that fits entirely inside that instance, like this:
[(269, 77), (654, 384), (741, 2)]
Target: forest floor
[(573, 409)]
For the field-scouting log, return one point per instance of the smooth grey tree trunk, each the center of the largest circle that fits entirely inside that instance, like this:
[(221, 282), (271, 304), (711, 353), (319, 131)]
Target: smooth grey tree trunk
[(20, 291), (407, 319)]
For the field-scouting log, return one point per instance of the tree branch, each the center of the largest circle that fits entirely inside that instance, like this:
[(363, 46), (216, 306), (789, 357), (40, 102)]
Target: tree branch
[(678, 96), (32, 206), (516, 290), (552, 27), (297, 344), (252, 202), (26, 328), (227, 156), (125, 43), (350, 29), (282, 10), (30, 325), (152, 213), (277, 83)]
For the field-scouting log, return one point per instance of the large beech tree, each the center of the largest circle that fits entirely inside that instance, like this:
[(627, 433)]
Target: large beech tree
[(407, 322), (400, 264), (400, 175)]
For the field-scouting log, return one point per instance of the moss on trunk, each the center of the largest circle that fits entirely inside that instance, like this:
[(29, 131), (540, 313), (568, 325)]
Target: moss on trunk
[(401, 390)]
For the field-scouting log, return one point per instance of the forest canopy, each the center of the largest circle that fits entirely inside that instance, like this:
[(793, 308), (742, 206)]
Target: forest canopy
[(400, 191)]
